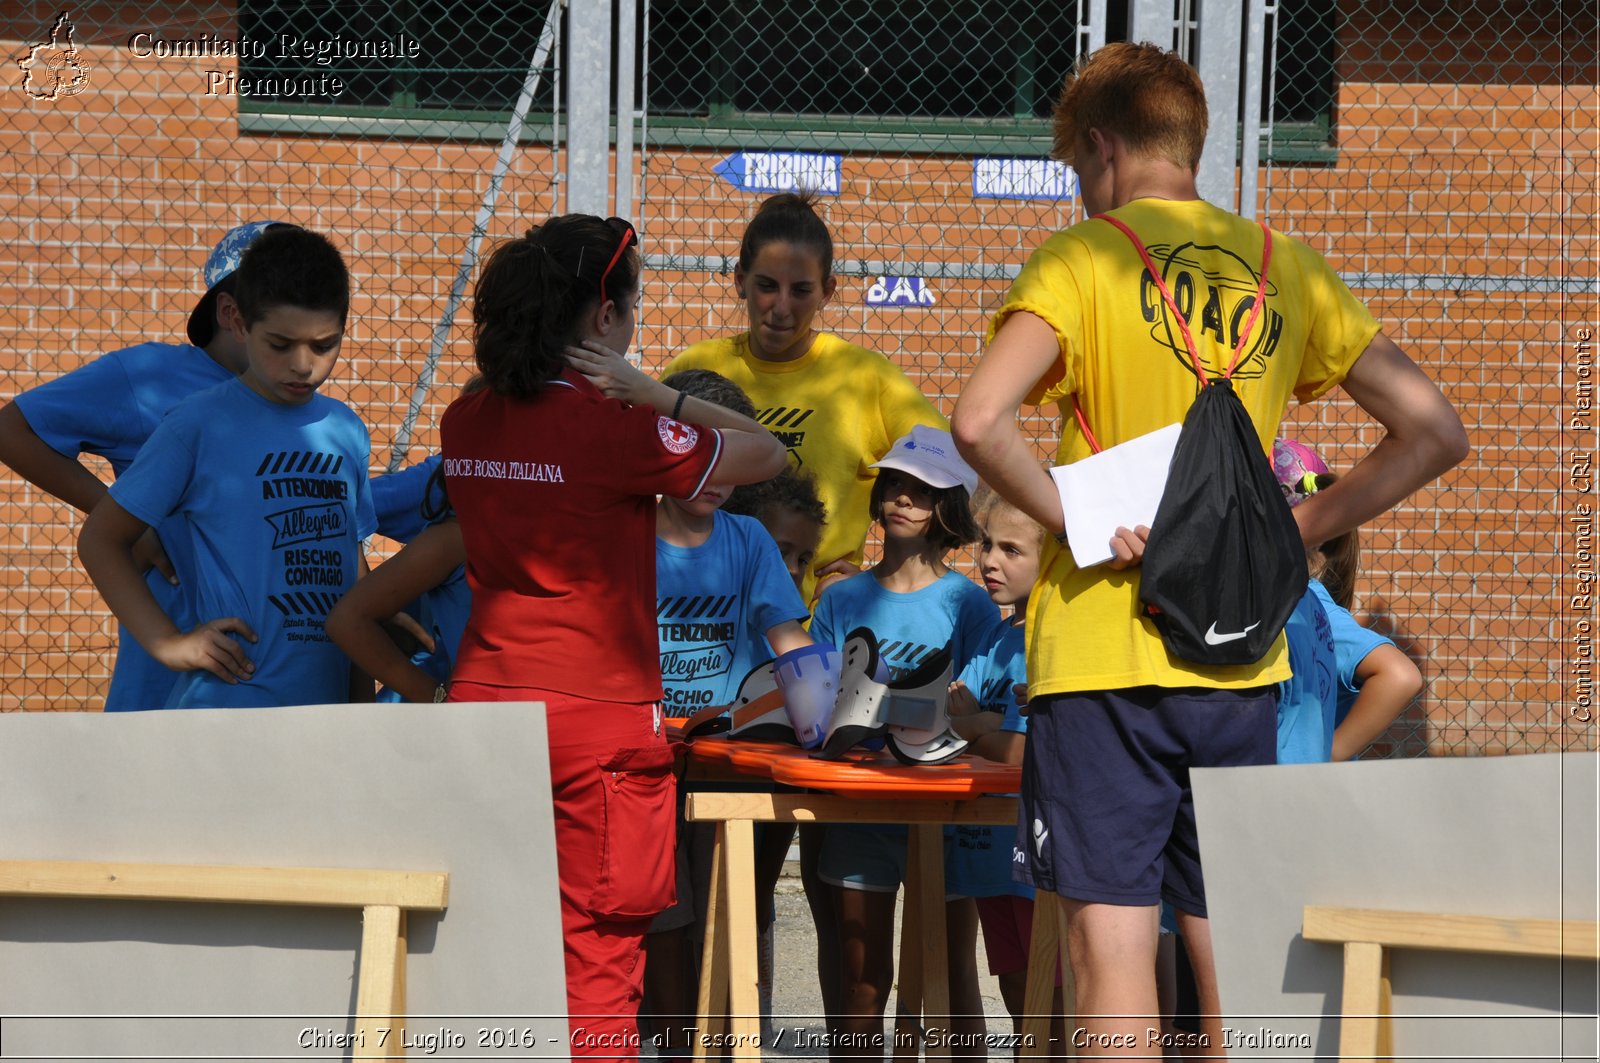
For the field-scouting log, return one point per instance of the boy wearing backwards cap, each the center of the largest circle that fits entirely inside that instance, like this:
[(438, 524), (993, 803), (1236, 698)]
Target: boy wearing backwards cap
[(108, 407), (269, 481)]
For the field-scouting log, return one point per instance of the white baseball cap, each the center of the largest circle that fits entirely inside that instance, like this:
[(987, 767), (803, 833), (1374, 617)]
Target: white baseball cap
[(930, 455)]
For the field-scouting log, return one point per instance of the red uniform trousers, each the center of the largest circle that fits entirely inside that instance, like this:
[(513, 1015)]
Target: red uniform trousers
[(615, 803)]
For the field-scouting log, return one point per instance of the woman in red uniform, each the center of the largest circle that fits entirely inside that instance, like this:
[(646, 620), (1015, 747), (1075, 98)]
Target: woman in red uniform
[(554, 486)]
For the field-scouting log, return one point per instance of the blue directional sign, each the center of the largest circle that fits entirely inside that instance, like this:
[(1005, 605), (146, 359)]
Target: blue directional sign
[(780, 171), (1022, 179), (899, 291)]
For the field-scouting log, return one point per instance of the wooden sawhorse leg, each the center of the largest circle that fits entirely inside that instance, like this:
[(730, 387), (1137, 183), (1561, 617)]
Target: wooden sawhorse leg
[(728, 961), (907, 1025), (924, 972), (1047, 949), (925, 876), (384, 897), (1364, 1029), (711, 1019), (381, 984), (1366, 1032)]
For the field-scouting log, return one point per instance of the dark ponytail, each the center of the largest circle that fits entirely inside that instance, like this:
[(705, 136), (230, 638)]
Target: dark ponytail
[(1336, 564), (533, 293), (788, 218)]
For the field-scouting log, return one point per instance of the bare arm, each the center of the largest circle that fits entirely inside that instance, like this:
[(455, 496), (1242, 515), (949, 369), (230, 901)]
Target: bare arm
[(1389, 680), (1423, 438), (67, 479), (984, 422), (356, 623), (832, 573), (106, 548), (37, 462), (361, 689), (787, 636), (750, 453), (747, 456), (987, 434), (1002, 747), (981, 729)]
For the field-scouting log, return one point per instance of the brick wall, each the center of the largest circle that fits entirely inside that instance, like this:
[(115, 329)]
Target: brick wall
[(1464, 196)]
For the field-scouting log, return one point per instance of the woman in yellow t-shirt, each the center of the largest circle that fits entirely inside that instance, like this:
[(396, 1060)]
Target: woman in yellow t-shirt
[(837, 407)]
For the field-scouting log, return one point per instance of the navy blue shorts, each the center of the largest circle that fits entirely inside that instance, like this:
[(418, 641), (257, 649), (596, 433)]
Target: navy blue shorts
[(1106, 814)]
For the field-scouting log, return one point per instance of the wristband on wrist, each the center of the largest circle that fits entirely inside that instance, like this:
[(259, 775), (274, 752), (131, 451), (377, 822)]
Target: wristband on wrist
[(677, 407), (1061, 537)]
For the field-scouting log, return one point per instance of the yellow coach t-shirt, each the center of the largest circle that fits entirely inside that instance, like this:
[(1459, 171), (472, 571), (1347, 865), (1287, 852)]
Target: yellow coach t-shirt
[(1126, 361), (837, 408)]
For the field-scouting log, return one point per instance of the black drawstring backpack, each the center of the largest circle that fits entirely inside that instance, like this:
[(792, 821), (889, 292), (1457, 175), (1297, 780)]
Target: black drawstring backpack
[(1224, 565)]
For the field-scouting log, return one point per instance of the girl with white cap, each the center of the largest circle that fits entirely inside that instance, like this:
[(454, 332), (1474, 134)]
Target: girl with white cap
[(915, 605)]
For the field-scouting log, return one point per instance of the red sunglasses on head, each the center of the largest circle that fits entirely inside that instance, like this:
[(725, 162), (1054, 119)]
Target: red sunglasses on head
[(628, 237)]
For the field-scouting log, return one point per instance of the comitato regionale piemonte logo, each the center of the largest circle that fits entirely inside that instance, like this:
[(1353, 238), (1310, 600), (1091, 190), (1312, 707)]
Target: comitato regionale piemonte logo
[(53, 68)]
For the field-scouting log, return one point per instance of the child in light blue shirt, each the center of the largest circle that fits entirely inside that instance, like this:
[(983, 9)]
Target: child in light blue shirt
[(725, 603), (915, 605), (985, 710), (269, 481)]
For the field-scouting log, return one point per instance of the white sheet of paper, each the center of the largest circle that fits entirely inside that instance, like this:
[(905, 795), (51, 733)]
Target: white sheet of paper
[(1120, 487)]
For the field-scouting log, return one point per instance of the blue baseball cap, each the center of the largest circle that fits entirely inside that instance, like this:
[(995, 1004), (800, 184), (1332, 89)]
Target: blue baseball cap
[(220, 264)]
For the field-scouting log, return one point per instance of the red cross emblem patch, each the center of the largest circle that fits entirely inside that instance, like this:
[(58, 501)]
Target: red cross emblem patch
[(676, 436)]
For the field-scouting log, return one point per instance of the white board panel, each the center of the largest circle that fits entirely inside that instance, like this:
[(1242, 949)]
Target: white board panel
[(1496, 836), (457, 788)]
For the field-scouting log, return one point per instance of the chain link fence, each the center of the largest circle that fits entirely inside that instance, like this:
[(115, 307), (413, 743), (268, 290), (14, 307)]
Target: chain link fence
[(1442, 155)]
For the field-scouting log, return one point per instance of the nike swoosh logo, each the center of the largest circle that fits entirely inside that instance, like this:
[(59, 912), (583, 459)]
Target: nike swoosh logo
[(1217, 638)]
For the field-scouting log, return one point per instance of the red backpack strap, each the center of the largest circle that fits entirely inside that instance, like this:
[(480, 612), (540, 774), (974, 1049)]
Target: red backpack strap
[(1183, 325), (1083, 423), (1261, 298)]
